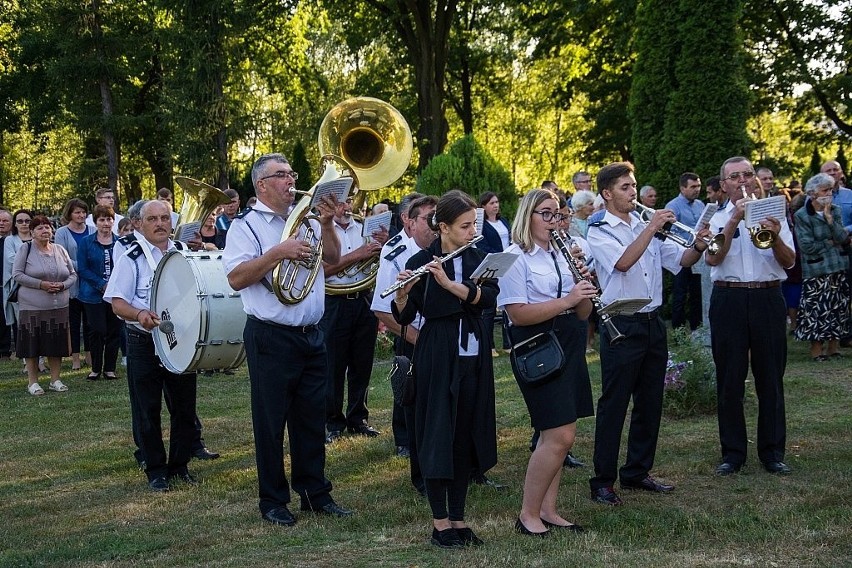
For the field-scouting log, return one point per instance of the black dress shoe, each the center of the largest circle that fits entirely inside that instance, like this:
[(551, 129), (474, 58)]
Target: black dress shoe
[(571, 461), (468, 537), (403, 452), (184, 476), (778, 467), (280, 516), (480, 479), (204, 454), (727, 468), (572, 527), (647, 484), (606, 496), (521, 529), (364, 430), (158, 484), (447, 538), (333, 435), (330, 508)]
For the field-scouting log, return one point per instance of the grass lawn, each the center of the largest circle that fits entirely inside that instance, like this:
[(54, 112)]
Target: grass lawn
[(71, 495)]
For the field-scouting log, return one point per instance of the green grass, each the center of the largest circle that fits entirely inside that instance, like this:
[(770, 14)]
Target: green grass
[(70, 494)]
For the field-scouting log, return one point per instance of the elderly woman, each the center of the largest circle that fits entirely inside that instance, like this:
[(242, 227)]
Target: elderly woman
[(69, 236), (583, 204), (824, 244), (45, 273), (95, 262)]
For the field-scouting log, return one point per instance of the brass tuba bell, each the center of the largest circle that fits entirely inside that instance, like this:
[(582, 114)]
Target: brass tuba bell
[(199, 201)]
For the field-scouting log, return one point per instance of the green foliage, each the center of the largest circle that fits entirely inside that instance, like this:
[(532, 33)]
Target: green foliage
[(467, 166), (815, 165), (693, 393)]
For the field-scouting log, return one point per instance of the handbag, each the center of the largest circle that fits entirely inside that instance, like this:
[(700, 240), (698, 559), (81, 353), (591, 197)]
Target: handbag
[(538, 359), (15, 286), (402, 377)]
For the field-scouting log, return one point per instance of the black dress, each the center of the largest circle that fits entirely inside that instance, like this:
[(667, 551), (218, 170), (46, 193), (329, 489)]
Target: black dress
[(436, 361)]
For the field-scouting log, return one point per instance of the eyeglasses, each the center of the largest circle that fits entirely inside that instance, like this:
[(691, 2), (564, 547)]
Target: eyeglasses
[(548, 216), (737, 175), (282, 174), (23, 221)]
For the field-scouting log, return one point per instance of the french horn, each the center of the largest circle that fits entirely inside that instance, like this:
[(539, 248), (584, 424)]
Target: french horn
[(370, 141)]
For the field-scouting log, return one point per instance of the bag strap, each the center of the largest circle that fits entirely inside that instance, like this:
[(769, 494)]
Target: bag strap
[(400, 347), (508, 327)]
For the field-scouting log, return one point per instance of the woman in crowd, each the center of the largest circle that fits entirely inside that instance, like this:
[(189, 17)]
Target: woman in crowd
[(583, 204), (538, 294), (455, 423), (69, 236), (20, 234), (497, 237), (210, 235), (45, 273), (95, 262), (824, 243)]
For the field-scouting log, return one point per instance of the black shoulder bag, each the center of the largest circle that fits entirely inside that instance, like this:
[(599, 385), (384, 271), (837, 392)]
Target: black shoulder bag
[(13, 292), (402, 375)]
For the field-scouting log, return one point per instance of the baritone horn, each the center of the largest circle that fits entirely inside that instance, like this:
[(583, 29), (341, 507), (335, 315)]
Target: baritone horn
[(714, 243), (374, 139), (199, 201)]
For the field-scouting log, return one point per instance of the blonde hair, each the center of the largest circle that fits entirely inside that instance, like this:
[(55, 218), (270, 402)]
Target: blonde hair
[(522, 226)]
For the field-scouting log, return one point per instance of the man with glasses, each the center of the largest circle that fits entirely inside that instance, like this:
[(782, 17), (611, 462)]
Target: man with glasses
[(106, 197), (285, 348), (747, 316), (582, 181)]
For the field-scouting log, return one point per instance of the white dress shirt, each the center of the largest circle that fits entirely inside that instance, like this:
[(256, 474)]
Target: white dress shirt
[(390, 269), (350, 239), (244, 245), (645, 278), (532, 279)]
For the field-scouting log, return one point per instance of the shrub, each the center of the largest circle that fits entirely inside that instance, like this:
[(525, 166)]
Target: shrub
[(690, 387)]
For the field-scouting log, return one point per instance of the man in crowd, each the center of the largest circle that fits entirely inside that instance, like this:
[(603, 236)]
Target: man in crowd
[(128, 291), (106, 197), (747, 316), (648, 196), (714, 191), (767, 181), (284, 393), (165, 195), (582, 180), (687, 285), (229, 211), (629, 261)]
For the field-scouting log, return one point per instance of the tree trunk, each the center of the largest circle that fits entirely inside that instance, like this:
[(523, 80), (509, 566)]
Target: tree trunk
[(111, 146)]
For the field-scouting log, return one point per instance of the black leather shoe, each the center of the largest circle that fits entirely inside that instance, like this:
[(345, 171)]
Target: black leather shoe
[(780, 468), (184, 476), (647, 484), (727, 468), (447, 538), (158, 484), (468, 537), (333, 435), (330, 508), (280, 516), (403, 452), (480, 479), (606, 496), (572, 527), (521, 529), (204, 454), (364, 430), (571, 461)]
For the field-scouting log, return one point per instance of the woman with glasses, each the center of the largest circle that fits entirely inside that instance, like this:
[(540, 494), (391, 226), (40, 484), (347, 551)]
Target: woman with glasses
[(20, 234), (538, 294), (455, 422)]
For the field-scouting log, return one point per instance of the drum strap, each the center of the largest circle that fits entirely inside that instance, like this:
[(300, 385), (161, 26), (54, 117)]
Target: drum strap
[(266, 283)]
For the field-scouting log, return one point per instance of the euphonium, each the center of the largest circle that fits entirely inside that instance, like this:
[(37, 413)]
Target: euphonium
[(760, 237), (374, 139), (714, 243), (199, 201)]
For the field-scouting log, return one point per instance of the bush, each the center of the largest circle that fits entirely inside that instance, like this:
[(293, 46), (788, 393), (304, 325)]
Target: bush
[(690, 387)]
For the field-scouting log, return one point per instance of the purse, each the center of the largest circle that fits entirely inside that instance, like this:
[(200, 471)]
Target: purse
[(15, 286), (402, 377), (538, 359)]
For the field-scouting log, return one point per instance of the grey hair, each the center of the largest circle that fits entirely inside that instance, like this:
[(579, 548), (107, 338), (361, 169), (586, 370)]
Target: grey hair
[(576, 176), (818, 182), (734, 160), (134, 212), (582, 198), (260, 163), (405, 203), (645, 190)]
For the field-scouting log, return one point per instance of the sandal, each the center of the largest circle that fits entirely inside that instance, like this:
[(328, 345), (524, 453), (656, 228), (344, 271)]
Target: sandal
[(35, 390), (93, 376), (110, 376), (57, 386)]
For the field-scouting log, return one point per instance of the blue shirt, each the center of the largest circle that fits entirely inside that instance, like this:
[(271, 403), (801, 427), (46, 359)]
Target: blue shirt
[(685, 212), (843, 199)]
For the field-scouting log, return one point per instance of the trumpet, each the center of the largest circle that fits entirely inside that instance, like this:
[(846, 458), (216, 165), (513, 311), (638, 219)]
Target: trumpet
[(573, 265), (418, 272), (714, 243), (760, 237)]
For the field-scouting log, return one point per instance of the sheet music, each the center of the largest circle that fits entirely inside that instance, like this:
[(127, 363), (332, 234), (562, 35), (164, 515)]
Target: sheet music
[(480, 220), (495, 265), (187, 231), (339, 187), (625, 306), (709, 210), (757, 211), (375, 223)]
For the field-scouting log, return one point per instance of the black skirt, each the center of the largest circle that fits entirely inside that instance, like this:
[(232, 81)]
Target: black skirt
[(567, 397), (43, 333)]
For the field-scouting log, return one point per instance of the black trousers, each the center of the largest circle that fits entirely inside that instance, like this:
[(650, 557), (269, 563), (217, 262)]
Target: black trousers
[(350, 328), (149, 381), (407, 415), (750, 326), (77, 317), (686, 293), (103, 338), (633, 369), (287, 371)]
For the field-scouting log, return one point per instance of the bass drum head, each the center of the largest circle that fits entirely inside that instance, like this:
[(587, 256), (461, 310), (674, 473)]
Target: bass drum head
[(174, 297)]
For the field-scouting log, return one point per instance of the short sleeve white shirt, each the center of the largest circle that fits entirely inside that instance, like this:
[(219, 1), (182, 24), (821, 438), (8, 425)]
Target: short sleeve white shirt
[(350, 239), (389, 270), (533, 278)]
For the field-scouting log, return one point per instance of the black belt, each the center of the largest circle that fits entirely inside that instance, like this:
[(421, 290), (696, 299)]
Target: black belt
[(293, 328), (133, 331), (351, 296), (749, 285), (642, 316)]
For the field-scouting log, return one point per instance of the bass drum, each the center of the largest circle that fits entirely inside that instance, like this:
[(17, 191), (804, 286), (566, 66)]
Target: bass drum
[(191, 290)]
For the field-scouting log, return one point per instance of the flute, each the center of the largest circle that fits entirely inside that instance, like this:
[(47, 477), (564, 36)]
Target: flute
[(606, 319), (418, 272)]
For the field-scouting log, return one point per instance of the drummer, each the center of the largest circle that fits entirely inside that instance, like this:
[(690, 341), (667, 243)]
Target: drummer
[(129, 293)]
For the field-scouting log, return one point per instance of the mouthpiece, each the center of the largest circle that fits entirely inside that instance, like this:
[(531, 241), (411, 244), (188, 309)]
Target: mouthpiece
[(167, 327)]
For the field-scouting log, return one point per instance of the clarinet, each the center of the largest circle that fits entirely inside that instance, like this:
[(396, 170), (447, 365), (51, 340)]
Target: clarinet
[(573, 265)]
